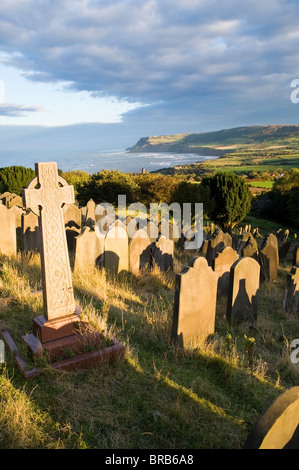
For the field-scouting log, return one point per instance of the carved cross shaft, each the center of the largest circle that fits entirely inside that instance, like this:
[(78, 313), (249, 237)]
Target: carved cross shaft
[(45, 196)]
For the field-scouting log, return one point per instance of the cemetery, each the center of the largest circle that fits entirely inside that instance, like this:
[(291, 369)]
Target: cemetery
[(118, 339)]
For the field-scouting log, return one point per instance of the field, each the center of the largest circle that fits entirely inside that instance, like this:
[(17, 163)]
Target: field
[(240, 150), (158, 397)]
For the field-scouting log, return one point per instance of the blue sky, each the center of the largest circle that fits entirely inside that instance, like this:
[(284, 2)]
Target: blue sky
[(132, 68)]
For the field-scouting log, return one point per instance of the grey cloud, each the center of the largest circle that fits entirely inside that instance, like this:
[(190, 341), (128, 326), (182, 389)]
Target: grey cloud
[(157, 51), (16, 110)]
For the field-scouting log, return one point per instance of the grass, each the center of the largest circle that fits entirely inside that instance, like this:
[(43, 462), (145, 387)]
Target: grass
[(158, 397)]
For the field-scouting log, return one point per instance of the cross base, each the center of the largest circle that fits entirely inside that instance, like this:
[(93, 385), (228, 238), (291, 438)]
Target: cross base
[(68, 343)]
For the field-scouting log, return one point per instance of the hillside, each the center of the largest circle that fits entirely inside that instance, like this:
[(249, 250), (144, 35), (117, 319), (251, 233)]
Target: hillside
[(221, 142), (242, 149)]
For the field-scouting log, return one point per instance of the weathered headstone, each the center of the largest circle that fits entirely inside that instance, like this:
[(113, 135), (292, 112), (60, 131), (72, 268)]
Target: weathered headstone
[(162, 253), (221, 266), (194, 304), (116, 252), (243, 291), (89, 249), (291, 293), (8, 237), (269, 258), (139, 251), (278, 427)]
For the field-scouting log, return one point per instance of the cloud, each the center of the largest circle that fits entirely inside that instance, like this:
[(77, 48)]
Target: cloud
[(185, 56), (17, 110)]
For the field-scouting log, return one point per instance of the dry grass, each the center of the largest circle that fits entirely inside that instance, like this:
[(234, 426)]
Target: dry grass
[(157, 397)]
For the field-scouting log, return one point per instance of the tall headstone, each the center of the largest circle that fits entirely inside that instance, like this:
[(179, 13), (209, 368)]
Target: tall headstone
[(221, 266), (116, 252), (243, 291), (46, 202), (194, 304), (291, 293), (139, 251), (8, 237), (269, 258)]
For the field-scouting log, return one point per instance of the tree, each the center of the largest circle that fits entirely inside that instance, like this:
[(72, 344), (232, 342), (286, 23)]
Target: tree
[(106, 186), (193, 193), (231, 196), (15, 178)]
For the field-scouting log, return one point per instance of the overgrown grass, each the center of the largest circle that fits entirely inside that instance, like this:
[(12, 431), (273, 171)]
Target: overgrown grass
[(158, 396)]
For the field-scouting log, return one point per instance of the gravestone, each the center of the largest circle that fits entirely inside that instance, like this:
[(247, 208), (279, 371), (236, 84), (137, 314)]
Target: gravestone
[(89, 249), (291, 293), (269, 258), (278, 427), (221, 266), (116, 251), (30, 238), (295, 257), (8, 236), (139, 251), (46, 202), (243, 291), (162, 253), (219, 241), (194, 304), (61, 327)]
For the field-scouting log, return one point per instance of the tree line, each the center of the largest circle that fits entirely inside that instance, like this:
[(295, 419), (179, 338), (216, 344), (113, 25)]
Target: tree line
[(225, 196)]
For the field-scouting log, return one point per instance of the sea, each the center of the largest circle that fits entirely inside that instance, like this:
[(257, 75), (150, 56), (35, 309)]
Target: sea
[(94, 161)]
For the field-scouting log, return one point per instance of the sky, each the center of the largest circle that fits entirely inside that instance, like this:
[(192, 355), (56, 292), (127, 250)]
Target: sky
[(107, 72)]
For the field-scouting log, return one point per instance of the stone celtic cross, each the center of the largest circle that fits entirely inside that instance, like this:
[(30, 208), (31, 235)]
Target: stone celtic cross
[(45, 196)]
